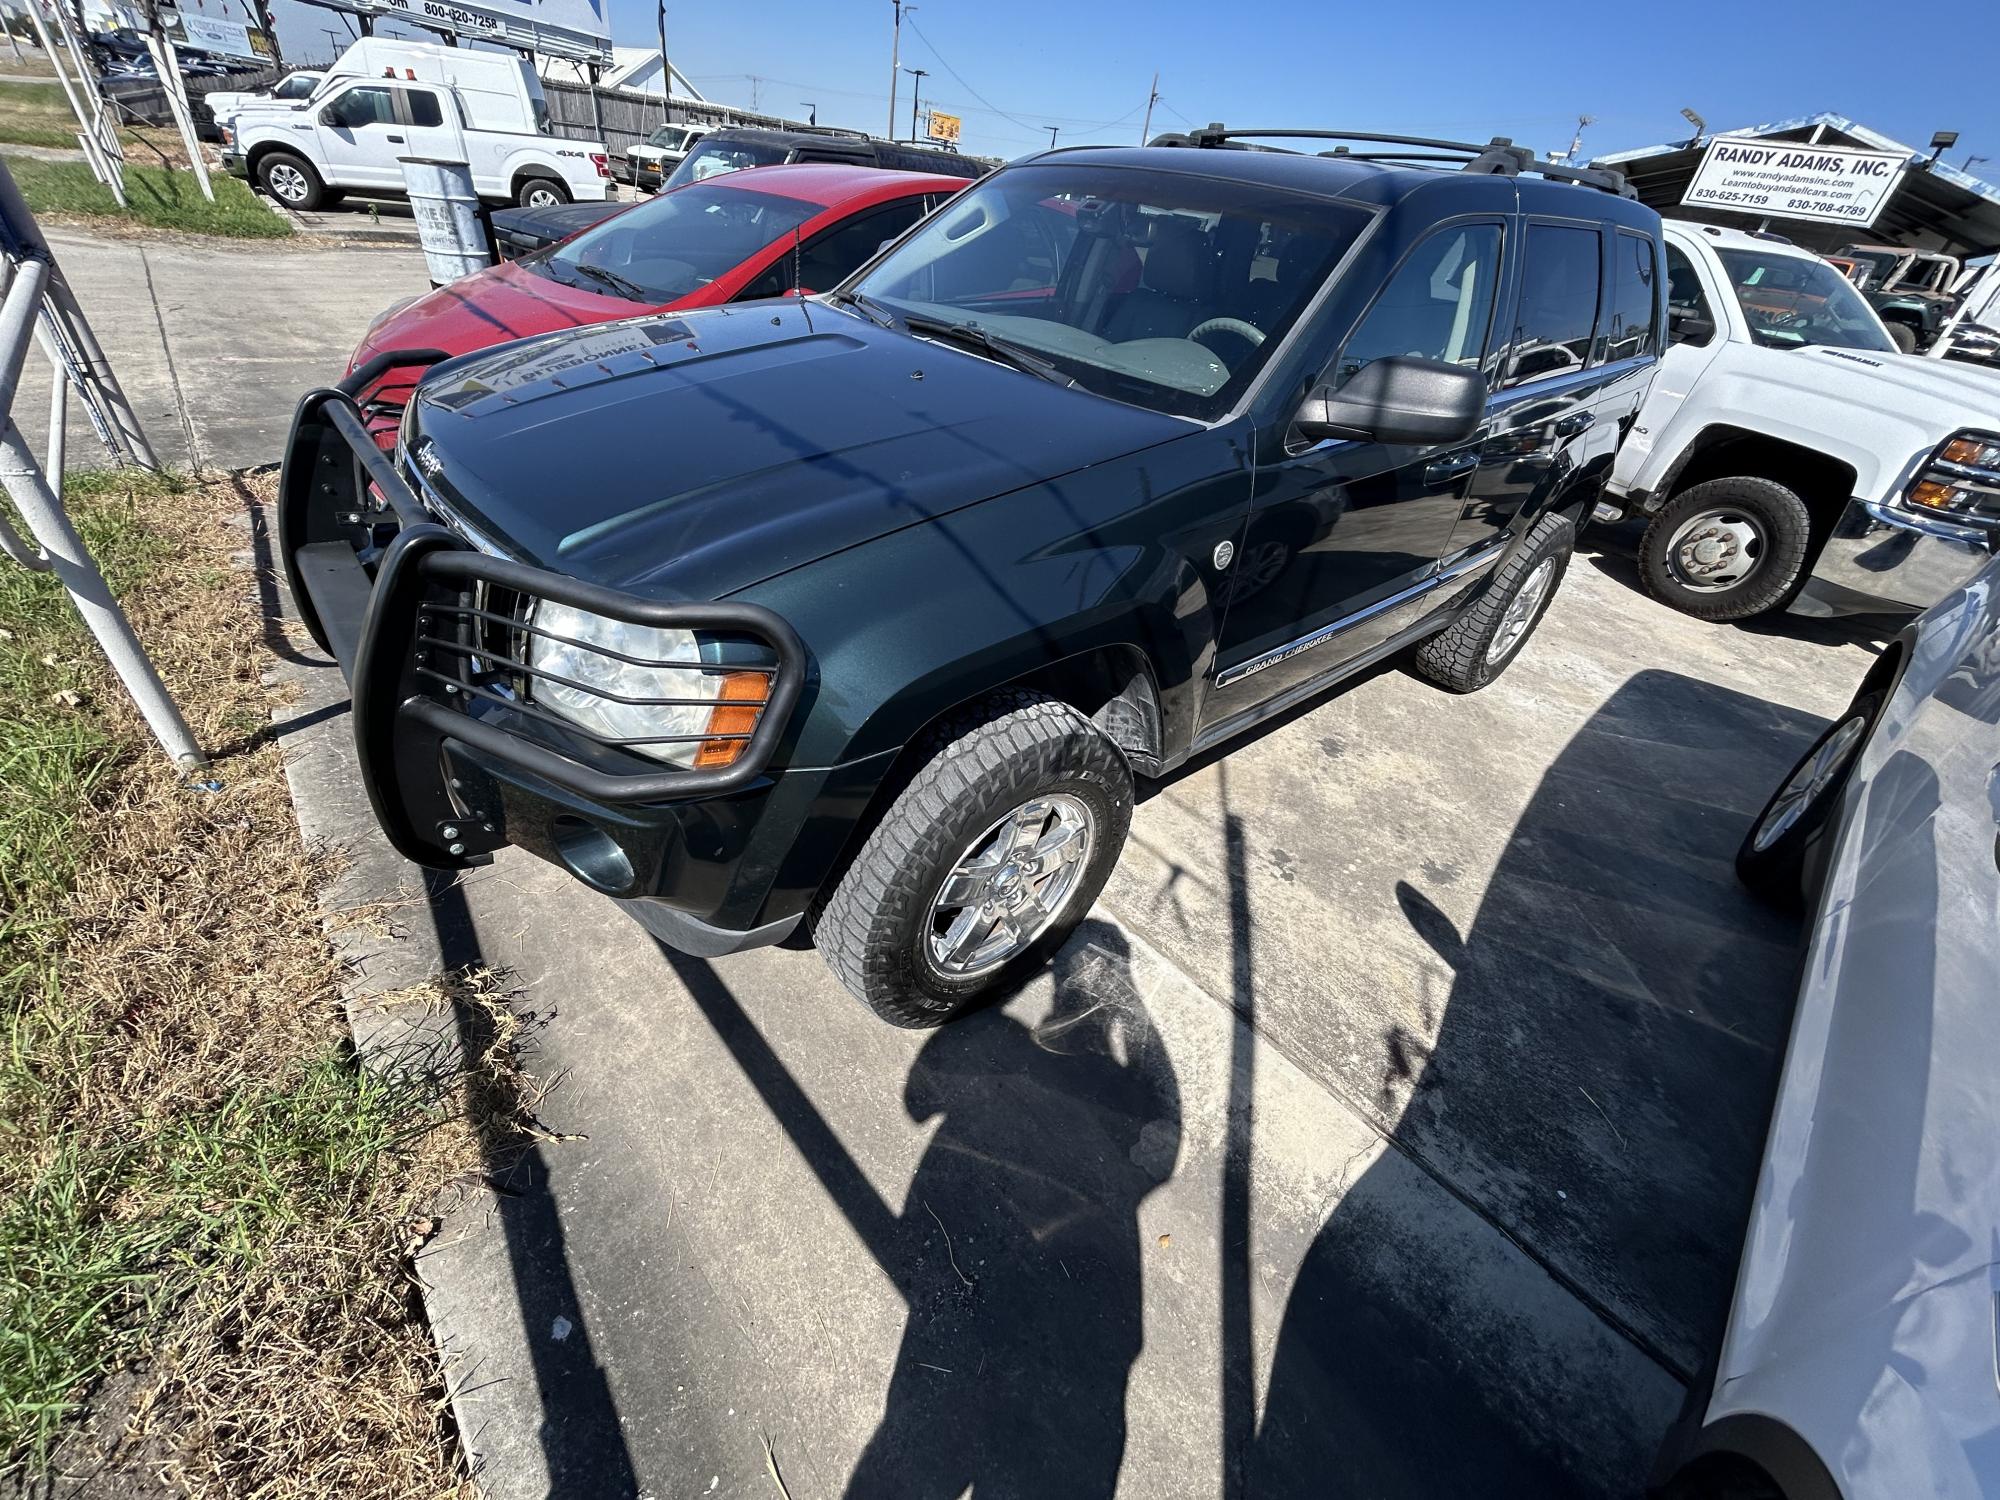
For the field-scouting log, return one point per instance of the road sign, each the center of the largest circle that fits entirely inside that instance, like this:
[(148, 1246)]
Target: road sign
[(1788, 180), (945, 127)]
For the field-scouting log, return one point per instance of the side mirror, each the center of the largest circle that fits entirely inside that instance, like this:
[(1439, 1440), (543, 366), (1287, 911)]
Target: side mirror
[(1397, 399), (1689, 328)]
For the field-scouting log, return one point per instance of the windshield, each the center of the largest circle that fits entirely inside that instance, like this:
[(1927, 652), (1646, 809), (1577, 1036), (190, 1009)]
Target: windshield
[(713, 158), (297, 86), (668, 136), (1162, 289), (1880, 263), (676, 244), (1791, 302)]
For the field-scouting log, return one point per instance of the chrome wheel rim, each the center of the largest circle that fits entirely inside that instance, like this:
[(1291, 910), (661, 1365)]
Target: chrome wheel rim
[(540, 198), (1521, 610), (289, 183), (1715, 550), (1009, 886), (1808, 783)]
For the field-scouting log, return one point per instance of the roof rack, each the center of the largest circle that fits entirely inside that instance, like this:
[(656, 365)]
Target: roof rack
[(1499, 156)]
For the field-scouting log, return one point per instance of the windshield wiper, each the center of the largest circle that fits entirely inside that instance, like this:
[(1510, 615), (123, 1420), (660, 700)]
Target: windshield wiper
[(870, 309), (630, 290), (972, 336)]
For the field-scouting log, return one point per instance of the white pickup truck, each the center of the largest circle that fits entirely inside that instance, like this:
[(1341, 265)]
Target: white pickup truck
[(386, 99), (1789, 456)]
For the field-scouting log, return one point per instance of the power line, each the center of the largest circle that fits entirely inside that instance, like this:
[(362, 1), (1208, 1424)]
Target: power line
[(993, 108)]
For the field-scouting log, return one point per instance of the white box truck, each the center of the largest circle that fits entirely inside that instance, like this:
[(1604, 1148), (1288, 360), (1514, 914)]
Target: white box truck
[(386, 99)]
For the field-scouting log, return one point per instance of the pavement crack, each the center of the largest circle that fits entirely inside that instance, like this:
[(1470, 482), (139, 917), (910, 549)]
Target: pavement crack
[(196, 460)]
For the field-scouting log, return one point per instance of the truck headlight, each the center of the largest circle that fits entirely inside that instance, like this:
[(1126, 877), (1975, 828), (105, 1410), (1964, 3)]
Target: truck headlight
[(644, 687), (1962, 480)]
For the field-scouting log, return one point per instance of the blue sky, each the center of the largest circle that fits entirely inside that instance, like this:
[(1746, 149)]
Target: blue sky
[(1452, 67)]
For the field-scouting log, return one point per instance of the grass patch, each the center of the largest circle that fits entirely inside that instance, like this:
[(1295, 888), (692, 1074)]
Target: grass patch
[(157, 198), (196, 1180), (38, 114)]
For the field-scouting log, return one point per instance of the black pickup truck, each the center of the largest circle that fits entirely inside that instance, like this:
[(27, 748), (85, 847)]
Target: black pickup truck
[(855, 617)]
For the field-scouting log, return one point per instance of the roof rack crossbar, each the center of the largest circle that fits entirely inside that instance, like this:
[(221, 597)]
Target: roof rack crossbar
[(1499, 156)]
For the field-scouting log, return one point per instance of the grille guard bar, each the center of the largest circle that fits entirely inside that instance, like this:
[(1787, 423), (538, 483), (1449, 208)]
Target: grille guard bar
[(405, 708)]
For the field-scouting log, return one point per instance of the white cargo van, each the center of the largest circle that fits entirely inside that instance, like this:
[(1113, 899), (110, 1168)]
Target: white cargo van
[(386, 99)]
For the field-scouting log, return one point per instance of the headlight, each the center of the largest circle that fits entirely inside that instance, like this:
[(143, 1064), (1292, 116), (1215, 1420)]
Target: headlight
[(676, 708), (1962, 480)]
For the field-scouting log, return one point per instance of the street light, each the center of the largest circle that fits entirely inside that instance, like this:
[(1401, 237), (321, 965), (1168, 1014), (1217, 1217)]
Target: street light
[(1052, 136), (1943, 141), (1699, 125), (916, 91), (812, 111)]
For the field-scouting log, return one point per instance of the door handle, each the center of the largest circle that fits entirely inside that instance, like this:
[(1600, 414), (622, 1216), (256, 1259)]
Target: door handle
[(1574, 423), (1439, 471), (397, 139)]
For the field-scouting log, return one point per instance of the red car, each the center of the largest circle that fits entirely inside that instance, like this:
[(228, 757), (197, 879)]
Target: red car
[(764, 232)]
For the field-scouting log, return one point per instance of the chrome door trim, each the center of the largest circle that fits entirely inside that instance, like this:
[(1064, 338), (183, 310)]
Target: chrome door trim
[(1462, 568)]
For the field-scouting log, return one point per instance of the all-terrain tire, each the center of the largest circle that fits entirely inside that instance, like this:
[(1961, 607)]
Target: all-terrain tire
[(536, 192), (984, 761), (1784, 529), (1472, 652), (291, 179), (1777, 866), (1903, 336)]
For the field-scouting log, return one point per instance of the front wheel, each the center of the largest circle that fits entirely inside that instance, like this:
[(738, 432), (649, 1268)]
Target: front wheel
[(1772, 861), (540, 192), (1479, 644), (291, 180), (1903, 336), (982, 865), (1727, 549)]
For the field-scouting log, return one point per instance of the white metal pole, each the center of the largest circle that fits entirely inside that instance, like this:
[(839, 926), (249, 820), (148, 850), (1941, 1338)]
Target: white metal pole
[(64, 550), (169, 68)]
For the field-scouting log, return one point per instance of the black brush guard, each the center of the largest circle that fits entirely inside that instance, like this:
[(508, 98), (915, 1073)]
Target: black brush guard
[(431, 665)]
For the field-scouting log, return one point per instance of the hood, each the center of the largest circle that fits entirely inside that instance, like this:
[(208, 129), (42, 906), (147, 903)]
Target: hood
[(691, 456), (490, 307), (1964, 395)]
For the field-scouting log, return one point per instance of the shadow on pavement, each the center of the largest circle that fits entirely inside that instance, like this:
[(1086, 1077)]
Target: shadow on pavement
[(1017, 1247), (1597, 1086), (582, 1441), (1612, 551)]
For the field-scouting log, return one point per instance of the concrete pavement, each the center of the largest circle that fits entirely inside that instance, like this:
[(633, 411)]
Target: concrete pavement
[(214, 342), (1385, 1132)]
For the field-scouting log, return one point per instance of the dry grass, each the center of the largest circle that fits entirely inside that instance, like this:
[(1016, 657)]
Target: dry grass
[(196, 1181)]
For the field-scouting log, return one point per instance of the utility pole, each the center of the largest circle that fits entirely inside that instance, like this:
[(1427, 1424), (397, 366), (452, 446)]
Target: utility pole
[(666, 70), (1146, 126), (1052, 136), (917, 77), (896, 62)]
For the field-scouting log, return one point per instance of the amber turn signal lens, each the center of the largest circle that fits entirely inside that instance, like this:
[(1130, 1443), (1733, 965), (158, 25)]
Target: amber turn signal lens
[(732, 715), (1933, 495), (1972, 452)]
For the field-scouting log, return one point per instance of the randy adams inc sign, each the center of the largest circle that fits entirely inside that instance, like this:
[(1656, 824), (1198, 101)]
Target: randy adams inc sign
[(1786, 180)]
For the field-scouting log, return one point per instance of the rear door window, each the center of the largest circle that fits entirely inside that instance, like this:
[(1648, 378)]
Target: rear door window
[(1634, 298), (423, 106), (1560, 278)]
